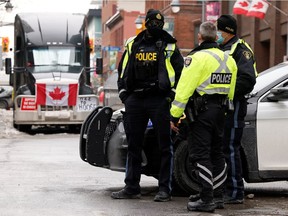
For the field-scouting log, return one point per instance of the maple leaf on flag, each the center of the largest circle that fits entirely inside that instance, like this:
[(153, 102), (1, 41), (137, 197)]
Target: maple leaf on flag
[(241, 7), (57, 94), (259, 5), (258, 8), (244, 3)]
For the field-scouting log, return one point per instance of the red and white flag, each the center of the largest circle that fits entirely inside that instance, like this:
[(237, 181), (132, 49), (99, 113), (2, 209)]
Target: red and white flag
[(56, 95), (258, 8), (241, 7)]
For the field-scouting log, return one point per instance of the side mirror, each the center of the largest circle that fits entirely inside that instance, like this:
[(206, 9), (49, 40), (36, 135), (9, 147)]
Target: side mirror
[(8, 66), (278, 94), (99, 66)]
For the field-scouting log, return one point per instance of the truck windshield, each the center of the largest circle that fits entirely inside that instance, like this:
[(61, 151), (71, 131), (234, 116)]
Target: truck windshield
[(64, 59)]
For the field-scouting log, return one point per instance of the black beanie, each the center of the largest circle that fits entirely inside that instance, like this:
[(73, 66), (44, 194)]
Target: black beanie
[(153, 14), (227, 23)]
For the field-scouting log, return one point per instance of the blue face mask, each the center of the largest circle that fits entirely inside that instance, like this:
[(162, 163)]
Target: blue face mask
[(220, 39)]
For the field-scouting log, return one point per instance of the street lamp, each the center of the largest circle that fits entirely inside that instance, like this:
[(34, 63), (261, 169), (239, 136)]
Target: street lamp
[(139, 22), (8, 5), (175, 6)]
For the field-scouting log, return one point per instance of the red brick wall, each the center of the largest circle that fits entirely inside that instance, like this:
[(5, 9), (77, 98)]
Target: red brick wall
[(185, 21)]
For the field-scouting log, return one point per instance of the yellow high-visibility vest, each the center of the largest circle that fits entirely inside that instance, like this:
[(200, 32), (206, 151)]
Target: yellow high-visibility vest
[(209, 71)]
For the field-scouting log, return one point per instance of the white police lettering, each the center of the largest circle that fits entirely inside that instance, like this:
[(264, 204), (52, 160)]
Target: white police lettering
[(221, 78)]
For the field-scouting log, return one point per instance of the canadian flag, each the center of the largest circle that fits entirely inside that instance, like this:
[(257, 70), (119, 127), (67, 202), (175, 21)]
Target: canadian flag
[(56, 95), (258, 8), (241, 7)]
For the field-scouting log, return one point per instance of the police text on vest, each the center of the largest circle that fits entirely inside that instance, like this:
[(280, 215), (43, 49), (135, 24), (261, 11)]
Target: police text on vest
[(221, 78)]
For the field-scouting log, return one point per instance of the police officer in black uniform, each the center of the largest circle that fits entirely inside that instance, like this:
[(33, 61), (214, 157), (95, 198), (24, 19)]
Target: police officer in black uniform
[(246, 79), (148, 72)]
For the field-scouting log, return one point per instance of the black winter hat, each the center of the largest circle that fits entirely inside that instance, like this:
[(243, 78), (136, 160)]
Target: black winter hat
[(227, 23), (153, 15)]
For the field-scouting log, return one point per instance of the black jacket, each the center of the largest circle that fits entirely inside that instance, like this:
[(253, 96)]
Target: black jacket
[(246, 77), (127, 81), (204, 45)]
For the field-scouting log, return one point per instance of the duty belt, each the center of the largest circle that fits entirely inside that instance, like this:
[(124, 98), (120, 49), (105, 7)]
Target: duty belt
[(141, 92), (217, 98), (197, 104)]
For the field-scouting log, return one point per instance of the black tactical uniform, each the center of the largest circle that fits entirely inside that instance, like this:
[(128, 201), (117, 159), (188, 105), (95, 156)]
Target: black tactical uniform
[(234, 124), (149, 69)]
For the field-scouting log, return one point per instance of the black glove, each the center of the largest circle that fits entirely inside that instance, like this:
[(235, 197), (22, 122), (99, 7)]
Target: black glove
[(123, 96), (170, 97), (174, 120)]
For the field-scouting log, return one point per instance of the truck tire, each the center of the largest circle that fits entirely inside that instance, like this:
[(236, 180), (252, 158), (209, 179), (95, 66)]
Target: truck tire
[(183, 171)]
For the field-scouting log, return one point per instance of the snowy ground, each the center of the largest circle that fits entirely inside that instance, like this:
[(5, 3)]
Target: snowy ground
[(6, 125), (8, 131)]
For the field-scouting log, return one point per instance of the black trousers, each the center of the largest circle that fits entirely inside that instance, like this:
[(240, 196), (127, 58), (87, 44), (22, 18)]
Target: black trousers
[(205, 141), (234, 125), (138, 110)]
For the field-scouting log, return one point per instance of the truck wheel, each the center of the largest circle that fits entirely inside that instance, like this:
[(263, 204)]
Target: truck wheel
[(183, 171), (3, 104)]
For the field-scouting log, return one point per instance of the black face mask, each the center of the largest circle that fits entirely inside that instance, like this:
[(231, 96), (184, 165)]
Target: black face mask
[(155, 31), (155, 27)]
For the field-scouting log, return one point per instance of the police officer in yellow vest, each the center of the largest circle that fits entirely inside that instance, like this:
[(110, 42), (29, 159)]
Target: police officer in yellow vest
[(148, 71), (203, 92), (234, 124)]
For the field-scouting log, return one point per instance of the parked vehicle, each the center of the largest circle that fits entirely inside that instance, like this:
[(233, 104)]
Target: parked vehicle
[(264, 145), (51, 73), (6, 97), (111, 96)]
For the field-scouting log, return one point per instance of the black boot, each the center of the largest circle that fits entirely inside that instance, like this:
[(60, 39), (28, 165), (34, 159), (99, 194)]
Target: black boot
[(202, 206), (219, 202), (122, 194), (162, 196)]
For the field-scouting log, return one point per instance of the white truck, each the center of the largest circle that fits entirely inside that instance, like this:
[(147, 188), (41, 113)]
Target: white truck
[(51, 71)]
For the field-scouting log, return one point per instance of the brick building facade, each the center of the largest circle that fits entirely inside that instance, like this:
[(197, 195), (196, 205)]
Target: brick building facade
[(267, 37)]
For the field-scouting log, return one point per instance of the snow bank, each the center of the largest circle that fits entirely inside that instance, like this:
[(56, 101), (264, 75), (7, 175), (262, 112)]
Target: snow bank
[(6, 124)]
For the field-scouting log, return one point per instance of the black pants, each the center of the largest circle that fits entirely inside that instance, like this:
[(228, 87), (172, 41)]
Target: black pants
[(138, 110), (234, 125), (205, 150)]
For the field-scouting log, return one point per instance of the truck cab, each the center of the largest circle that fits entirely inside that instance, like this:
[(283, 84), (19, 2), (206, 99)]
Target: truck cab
[(51, 71)]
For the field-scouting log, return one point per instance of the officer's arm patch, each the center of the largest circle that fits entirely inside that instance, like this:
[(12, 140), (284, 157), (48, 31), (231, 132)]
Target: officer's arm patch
[(187, 61), (247, 54)]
